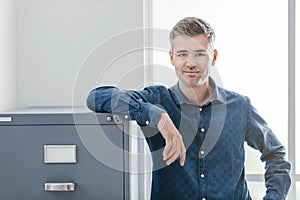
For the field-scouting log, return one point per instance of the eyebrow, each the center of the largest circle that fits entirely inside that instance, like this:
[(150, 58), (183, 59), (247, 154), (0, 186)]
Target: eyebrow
[(185, 51)]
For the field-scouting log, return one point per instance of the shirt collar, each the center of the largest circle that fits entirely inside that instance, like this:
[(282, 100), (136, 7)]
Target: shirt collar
[(217, 95)]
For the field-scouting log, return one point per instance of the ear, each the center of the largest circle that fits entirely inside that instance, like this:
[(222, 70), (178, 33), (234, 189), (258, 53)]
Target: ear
[(171, 57), (215, 57)]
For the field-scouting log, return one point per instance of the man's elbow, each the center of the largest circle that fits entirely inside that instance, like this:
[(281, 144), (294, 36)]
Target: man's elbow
[(90, 101), (98, 98)]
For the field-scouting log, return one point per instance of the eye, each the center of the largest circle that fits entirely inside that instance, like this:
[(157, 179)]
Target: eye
[(200, 54), (182, 55)]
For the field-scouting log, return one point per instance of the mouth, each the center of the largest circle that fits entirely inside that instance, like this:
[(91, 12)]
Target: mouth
[(191, 72)]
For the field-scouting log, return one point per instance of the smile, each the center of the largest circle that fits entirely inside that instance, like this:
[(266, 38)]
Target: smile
[(191, 72)]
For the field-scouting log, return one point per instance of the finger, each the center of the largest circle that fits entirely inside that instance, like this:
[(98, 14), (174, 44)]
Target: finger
[(174, 153), (171, 152), (183, 154), (167, 149), (169, 146), (172, 158), (182, 158)]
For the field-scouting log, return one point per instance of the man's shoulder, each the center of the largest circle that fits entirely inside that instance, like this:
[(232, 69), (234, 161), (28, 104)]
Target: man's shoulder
[(233, 96)]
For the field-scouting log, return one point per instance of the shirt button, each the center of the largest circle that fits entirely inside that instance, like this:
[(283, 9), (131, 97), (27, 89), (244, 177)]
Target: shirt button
[(147, 122), (200, 109), (203, 198), (202, 152), (202, 130), (202, 175), (126, 116)]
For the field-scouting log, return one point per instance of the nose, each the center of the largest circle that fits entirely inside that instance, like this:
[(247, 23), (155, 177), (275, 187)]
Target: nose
[(191, 62)]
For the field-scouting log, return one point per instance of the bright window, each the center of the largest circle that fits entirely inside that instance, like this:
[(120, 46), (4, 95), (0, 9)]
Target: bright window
[(297, 74), (253, 54)]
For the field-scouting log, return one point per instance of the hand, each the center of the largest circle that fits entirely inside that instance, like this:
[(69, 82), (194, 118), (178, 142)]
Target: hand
[(174, 143)]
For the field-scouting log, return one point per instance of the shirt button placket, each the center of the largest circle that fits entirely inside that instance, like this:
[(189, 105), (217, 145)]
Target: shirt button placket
[(202, 155), (202, 172)]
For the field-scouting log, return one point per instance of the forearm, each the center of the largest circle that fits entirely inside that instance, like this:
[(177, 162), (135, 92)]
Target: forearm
[(259, 136), (132, 104), (277, 178)]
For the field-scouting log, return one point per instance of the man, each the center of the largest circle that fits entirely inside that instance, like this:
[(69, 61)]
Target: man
[(196, 130)]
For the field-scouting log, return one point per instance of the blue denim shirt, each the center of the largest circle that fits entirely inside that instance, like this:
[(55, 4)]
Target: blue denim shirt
[(214, 136)]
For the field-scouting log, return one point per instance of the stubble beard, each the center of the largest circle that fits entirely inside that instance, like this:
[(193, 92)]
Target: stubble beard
[(191, 84)]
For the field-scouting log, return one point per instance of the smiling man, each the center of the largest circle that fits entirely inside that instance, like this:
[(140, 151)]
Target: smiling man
[(195, 129)]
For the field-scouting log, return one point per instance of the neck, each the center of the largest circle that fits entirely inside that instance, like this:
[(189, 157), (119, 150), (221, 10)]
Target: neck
[(198, 94)]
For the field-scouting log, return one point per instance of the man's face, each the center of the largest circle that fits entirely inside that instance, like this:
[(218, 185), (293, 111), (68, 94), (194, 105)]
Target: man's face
[(192, 59)]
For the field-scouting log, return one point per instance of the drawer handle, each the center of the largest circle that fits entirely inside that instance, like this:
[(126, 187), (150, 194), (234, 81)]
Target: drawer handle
[(60, 187), (5, 119)]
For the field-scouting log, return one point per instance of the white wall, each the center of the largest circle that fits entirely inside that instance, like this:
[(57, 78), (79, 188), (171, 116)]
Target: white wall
[(54, 37), (53, 52), (8, 81)]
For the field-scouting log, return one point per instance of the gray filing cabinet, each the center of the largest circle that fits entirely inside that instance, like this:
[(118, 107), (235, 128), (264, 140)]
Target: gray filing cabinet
[(68, 156)]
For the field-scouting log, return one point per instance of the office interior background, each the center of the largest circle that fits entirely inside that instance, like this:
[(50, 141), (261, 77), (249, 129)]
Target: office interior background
[(51, 49)]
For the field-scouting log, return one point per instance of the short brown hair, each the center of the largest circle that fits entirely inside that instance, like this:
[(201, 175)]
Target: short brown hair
[(192, 26)]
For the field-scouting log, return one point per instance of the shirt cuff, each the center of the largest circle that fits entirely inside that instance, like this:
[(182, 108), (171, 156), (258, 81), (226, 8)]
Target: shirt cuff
[(150, 116), (271, 195)]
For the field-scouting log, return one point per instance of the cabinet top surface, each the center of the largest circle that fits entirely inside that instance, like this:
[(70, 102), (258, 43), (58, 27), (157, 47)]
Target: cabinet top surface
[(48, 110), (57, 115)]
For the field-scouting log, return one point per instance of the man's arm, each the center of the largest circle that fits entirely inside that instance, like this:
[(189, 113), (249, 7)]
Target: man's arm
[(137, 105), (261, 137), (140, 106)]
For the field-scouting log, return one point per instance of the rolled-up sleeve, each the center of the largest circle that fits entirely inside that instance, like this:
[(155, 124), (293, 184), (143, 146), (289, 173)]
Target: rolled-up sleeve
[(259, 136), (136, 105)]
